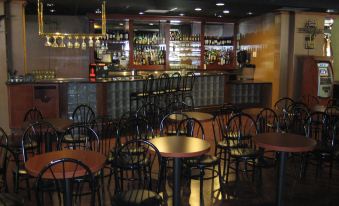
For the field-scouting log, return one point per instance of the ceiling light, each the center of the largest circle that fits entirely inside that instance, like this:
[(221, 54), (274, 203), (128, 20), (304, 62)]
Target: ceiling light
[(151, 24), (220, 16), (175, 21), (249, 13), (49, 4), (220, 4), (182, 14), (121, 24), (156, 11), (198, 9), (52, 10), (173, 9), (226, 11), (330, 11), (141, 13), (98, 11)]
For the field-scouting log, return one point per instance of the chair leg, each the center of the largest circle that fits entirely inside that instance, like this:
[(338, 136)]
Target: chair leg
[(253, 170), (228, 168), (28, 188), (202, 173), (236, 170), (330, 168)]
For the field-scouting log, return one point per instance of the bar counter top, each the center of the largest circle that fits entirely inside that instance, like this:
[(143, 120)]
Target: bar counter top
[(123, 76)]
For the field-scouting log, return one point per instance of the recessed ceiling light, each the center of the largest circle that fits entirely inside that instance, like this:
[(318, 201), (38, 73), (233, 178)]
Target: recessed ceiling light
[(173, 9), (151, 24), (182, 14), (98, 11), (220, 4), (50, 4), (141, 13), (226, 11), (220, 16), (198, 9), (249, 13), (52, 10), (175, 21), (121, 24), (330, 11)]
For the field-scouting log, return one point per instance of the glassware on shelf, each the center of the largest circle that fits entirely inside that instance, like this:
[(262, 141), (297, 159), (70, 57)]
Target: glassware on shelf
[(69, 43), (97, 42), (76, 43), (90, 42), (55, 43), (48, 43), (83, 44), (62, 44)]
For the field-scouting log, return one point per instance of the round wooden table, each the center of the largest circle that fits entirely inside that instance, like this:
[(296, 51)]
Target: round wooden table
[(179, 147), (94, 160), (283, 143), (200, 116)]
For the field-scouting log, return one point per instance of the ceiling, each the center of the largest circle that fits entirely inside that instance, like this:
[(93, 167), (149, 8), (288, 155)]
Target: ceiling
[(236, 8)]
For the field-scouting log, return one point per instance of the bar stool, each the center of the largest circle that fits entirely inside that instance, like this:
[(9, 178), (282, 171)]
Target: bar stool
[(145, 95), (174, 88), (187, 87)]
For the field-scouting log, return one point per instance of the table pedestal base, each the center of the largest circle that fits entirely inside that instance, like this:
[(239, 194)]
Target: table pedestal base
[(176, 182), (280, 186)]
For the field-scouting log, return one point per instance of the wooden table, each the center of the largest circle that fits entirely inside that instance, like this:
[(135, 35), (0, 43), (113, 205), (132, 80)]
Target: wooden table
[(179, 147), (94, 160), (283, 143), (200, 116)]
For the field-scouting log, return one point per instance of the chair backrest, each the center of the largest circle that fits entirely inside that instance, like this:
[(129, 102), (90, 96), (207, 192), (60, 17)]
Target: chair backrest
[(106, 129), (39, 137), (148, 85), (267, 121), (3, 137), (170, 122), (310, 100), (191, 127), (175, 81), (162, 83), (297, 119), (80, 137), (334, 135), (55, 174), (221, 119), (152, 113), (317, 127), (333, 114), (240, 130), (143, 160), (188, 81), (8, 159), (132, 129), (33, 115), (83, 114), (281, 106), (178, 107)]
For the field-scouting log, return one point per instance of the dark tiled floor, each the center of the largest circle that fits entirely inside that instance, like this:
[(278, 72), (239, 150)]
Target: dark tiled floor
[(311, 191)]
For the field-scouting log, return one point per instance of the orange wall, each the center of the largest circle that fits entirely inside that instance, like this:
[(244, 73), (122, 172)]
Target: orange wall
[(261, 36)]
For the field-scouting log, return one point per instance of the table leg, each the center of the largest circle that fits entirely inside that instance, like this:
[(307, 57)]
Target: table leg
[(176, 184), (280, 188), (67, 193)]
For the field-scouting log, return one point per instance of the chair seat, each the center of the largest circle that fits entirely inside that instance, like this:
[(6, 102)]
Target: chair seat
[(244, 153), (9, 199), (70, 139), (137, 197), (132, 162), (203, 161), (224, 144)]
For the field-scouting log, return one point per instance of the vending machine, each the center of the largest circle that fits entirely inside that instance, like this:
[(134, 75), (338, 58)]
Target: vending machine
[(317, 78)]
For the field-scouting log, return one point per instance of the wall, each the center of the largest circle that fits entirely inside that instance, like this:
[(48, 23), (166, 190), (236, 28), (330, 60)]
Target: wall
[(261, 36), (4, 121), (298, 49), (335, 48), (66, 62)]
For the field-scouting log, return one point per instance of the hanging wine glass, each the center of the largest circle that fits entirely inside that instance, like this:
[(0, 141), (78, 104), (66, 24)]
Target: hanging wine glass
[(90, 42), (76, 43), (55, 43), (83, 44), (62, 44), (97, 42), (69, 43), (48, 43)]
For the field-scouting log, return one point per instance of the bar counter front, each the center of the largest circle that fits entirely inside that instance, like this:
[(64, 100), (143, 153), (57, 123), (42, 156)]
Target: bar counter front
[(111, 96)]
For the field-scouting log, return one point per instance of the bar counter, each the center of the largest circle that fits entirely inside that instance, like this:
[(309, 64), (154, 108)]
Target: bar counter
[(111, 96)]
